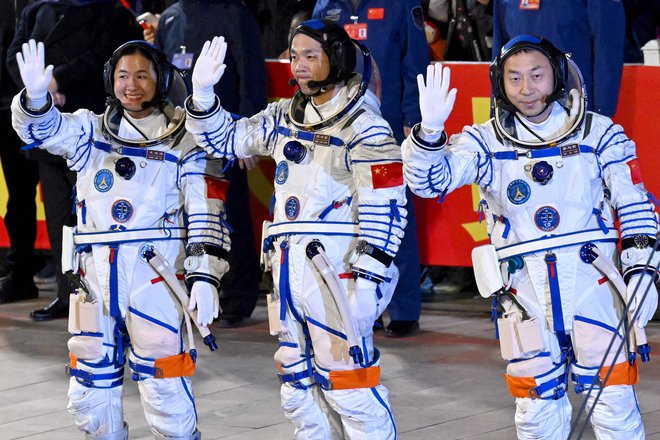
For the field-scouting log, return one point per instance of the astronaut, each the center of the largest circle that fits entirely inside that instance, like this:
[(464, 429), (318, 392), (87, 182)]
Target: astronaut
[(338, 188), (552, 176), (143, 188)]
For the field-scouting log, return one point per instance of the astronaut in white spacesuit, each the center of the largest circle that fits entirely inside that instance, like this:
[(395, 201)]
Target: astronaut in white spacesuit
[(552, 176), (339, 191), (143, 188)]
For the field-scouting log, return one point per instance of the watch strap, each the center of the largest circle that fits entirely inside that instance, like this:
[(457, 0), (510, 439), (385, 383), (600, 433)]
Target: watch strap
[(363, 247), (209, 249), (640, 241)]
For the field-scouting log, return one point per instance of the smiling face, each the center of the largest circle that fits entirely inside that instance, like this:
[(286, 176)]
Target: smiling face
[(528, 80), (310, 62), (135, 82)]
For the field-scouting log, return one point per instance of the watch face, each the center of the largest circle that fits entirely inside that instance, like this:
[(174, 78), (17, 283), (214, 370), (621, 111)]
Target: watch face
[(641, 241), (196, 249), (361, 246)]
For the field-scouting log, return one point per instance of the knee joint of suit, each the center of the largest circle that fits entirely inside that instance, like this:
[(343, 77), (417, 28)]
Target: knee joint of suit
[(96, 373), (294, 367), (289, 358), (536, 378)]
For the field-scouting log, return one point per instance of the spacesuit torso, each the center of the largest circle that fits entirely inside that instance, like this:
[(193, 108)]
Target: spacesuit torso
[(337, 164)]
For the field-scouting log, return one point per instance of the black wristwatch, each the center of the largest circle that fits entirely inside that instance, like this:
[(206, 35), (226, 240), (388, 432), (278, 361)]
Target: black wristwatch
[(637, 241), (363, 247), (199, 249)]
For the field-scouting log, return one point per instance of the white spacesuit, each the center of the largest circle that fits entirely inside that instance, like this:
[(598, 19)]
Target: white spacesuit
[(142, 187), (551, 181), (338, 182)]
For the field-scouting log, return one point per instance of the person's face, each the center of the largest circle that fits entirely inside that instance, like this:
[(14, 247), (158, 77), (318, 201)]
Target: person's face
[(528, 80), (308, 62), (135, 82)]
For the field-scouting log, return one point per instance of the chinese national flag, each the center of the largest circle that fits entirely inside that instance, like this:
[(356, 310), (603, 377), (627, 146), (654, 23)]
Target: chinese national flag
[(635, 171), (216, 188), (387, 175)]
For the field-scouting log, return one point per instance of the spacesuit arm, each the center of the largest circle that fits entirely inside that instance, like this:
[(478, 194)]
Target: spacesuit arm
[(204, 189), (68, 135), (620, 169), (434, 169), (223, 137), (638, 222), (375, 162)]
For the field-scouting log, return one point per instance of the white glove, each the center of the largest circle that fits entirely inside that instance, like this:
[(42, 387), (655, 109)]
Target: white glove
[(435, 99), (208, 71), (363, 304), (36, 78), (204, 296), (647, 308)]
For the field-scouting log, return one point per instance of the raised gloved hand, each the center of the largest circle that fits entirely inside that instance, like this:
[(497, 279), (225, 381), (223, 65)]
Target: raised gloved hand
[(647, 308), (364, 303), (435, 99), (31, 61), (208, 71), (204, 296)]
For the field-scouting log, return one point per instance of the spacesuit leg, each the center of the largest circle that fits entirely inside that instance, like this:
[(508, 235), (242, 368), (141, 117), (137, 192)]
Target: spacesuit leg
[(300, 401), (353, 391), (160, 365), (96, 370), (547, 416), (616, 415)]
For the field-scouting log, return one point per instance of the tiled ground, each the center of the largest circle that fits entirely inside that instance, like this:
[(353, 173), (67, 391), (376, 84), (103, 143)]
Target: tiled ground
[(445, 383)]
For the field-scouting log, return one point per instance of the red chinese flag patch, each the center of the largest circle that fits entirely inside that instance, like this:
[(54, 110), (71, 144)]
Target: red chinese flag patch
[(216, 188), (387, 175), (635, 171)]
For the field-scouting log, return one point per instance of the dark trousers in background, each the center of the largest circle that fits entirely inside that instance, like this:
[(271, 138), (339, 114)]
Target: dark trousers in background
[(240, 286), (406, 303), (21, 177), (57, 183)]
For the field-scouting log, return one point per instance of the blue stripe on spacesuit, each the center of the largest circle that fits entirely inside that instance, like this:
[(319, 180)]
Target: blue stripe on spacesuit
[(600, 148), (284, 285), (362, 139), (304, 359), (114, 282), (639, 211), (131, 151), (387, 408), (196, 154), (613, 162), (639, 219), (326, 328), (190, 396), (599, 219), (484, 166), (555, 301), (377, 222), (288, 344), (596, 323), (152, 319), (220, 236), (86, 154), (541, 354), (629, 205)]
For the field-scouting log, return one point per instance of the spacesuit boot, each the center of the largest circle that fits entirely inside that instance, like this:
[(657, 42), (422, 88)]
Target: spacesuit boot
[(122, 434), (195, 436)]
